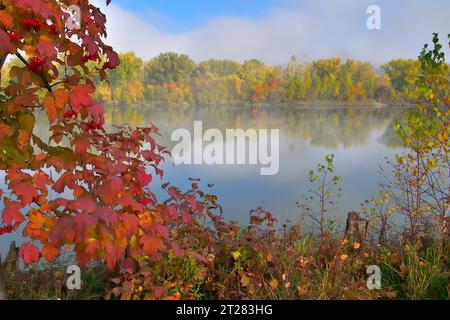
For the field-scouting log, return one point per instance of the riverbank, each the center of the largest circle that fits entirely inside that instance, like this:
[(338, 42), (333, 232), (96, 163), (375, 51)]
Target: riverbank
[(297, 105), (260, 262)]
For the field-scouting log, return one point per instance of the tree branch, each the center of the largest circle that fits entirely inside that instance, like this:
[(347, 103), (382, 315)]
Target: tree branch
[(46, 84)]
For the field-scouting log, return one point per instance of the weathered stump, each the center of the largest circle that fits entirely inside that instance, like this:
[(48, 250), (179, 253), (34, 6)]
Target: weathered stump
[(10, 266), (3, 292), (356, 227)]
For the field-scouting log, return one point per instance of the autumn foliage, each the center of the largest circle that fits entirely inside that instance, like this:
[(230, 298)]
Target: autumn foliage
[(84, 189)]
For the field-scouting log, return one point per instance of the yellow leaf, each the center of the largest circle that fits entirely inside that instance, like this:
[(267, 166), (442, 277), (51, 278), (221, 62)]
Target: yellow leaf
[(236, 254), (273, 283), (245, 280)]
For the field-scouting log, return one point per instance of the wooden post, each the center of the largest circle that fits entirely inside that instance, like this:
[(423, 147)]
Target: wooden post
[(10, 265), (3, 292), (356, 227)]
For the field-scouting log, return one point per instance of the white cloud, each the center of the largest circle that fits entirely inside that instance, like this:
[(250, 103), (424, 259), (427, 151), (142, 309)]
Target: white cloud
[(319, 28)]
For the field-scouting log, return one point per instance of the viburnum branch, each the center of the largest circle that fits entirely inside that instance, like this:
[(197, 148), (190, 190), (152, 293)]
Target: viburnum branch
[(46, 84)]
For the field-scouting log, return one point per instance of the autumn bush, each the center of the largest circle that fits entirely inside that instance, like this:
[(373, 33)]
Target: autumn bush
[(84, 189)]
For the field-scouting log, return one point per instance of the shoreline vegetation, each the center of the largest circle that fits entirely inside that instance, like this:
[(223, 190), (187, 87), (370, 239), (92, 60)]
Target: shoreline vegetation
[(317, 105), (175, 80)]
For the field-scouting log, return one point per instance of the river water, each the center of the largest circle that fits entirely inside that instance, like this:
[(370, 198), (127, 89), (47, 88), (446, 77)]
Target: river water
[(359, 137)]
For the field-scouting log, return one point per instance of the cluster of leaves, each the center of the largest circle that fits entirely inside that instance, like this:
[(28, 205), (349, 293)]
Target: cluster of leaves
[(84, 188)]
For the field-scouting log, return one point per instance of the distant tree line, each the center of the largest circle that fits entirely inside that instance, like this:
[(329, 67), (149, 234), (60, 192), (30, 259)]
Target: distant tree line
[(172, 79)]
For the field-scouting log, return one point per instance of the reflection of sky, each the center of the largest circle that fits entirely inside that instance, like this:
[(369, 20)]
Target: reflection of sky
[(241, 188)]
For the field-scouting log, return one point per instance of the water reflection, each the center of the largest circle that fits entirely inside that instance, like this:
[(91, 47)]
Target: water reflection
[(321, 126), (360, 138)]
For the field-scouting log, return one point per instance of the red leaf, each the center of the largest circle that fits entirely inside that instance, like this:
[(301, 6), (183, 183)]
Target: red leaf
[(83, 204), (46, 47), (5, 43), (143, 178), (96, 111), (81, 143), (66, 180), (130, 221), (88, 42), (6, 19), (109, 189), (80, 96), (151, 244), (26, 192), (39, 7), (12, 212), (41, 180), (29, 253), (107, 215)]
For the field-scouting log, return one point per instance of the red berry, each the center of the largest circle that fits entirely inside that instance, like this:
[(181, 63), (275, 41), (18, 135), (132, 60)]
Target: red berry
[(35, 65), (7, 229), (14, 36), (53, 29), (69, 114), (32, 24)]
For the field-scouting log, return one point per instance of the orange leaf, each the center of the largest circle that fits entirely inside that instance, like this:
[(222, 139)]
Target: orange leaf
[(151, 244), (61, 98), (37, 220), (6, 19), (5, 131), (49, 104), (49, 252), (23, 139)]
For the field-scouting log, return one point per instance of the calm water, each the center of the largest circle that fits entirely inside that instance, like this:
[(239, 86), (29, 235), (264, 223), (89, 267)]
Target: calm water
[(359, 137)]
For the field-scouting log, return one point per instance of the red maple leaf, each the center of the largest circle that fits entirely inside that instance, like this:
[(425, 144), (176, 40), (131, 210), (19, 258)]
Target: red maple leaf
[(12, 212), (26, 192), (29, 253)]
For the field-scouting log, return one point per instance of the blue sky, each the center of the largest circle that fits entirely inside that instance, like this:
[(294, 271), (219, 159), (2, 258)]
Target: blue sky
[(179, 15), (273, 31)]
